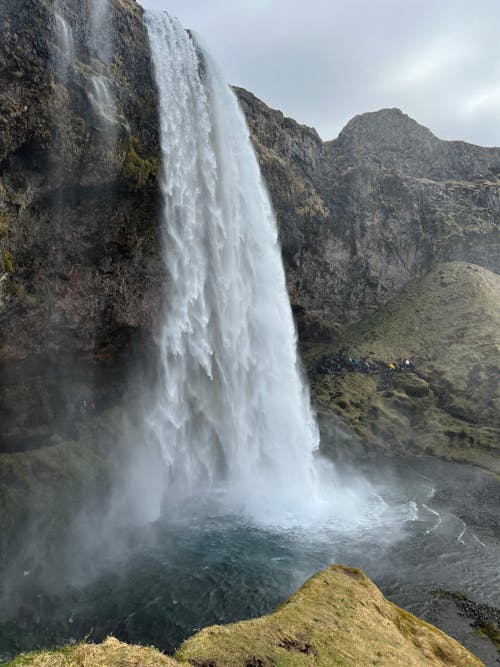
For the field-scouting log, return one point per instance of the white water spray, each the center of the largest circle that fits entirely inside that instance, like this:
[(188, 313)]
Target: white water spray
[(232, 412)]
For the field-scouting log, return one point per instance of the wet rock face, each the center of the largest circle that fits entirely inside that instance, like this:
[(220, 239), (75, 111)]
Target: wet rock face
[(289, 155), (79, 241), (80, 265), (364, 214)]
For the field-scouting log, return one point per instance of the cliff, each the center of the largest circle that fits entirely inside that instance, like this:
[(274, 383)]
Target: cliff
[(378, 229), (80, 270), (81, 281), (338, 617), (364, 214), (81, 285)]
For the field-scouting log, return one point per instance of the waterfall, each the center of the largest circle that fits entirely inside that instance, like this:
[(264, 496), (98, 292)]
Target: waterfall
[(101, 88), (65, 43), (231, 411), (102, 99), (99, 24)]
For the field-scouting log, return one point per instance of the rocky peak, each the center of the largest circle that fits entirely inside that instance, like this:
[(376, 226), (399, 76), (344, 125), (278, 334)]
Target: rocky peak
[(375, 209), (386, 129), (391, 139)]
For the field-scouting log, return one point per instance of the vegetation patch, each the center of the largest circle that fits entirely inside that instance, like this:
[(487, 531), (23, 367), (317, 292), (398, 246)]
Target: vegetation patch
[(492, 631), (8, 261), (111, 653), (337, 618), (139, 170), (448, 402)]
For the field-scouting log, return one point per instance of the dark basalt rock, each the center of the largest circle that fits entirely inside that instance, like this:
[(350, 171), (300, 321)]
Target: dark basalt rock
[(476, 626), (81, 278)]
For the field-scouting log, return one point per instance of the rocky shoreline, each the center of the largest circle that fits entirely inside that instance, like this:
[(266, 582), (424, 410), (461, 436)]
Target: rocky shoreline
[(476, 626)]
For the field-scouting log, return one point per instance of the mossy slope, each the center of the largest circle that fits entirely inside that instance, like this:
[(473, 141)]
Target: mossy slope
[(42, 489), (339, 617), (448, 324)]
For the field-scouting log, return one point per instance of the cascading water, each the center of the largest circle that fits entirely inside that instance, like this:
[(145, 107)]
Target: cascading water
[(98, 42), (100, 45), (99, 16), (65, 42), (231, 412), (230, 416), (102, 99)]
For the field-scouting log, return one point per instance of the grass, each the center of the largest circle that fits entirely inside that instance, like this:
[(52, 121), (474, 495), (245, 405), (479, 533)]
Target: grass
[(337, 618), (111, 653), (448, 324), (492, 631)]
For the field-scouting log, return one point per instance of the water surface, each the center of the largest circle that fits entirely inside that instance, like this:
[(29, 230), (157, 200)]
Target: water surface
[(422, 525)]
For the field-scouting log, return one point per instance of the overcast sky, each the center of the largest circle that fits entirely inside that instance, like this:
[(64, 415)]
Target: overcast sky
[(324, 61)]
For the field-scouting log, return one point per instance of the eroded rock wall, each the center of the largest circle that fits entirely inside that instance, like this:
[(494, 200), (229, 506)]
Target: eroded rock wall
[(364, 214), (80, 268)]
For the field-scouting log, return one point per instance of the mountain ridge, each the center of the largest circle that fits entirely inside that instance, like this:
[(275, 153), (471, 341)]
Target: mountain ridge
[(362, 215)]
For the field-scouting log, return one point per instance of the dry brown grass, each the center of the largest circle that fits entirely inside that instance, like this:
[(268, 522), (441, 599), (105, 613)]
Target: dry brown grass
[(111, 653), (339, 617)]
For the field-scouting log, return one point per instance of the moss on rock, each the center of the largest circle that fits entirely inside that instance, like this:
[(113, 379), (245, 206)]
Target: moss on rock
[(448, 325), (137, 169), (48, 483)]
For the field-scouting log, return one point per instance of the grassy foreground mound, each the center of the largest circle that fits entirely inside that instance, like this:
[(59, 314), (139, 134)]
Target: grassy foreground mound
[(338, 617), (111, 653), (448, 325)]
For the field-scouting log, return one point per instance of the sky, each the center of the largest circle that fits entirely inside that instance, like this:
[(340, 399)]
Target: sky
[(324, 61)]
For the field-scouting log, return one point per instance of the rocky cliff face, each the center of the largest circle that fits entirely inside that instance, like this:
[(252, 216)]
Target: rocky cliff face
[(363, 219), (364, 214), (290, 156), (80, 269), (80, 273)]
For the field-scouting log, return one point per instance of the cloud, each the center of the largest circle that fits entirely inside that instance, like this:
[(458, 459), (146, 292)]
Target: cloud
[(432, 62), (324, 61), (487, 100)]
